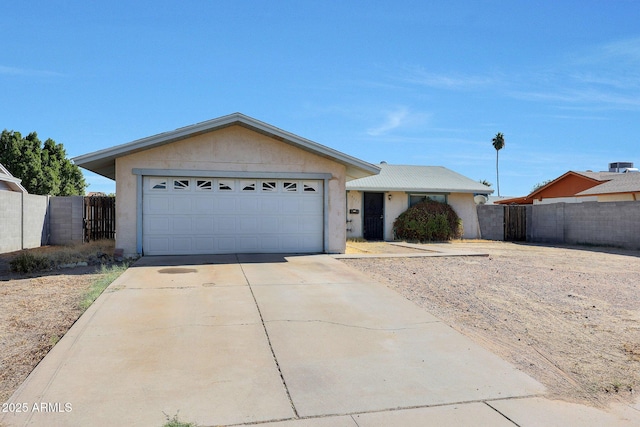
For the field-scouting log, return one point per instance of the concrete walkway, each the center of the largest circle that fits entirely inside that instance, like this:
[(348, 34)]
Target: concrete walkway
[(302, 341)]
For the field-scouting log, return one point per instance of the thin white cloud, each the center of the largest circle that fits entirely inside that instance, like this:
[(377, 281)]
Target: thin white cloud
[(420, 76), (398, 118)]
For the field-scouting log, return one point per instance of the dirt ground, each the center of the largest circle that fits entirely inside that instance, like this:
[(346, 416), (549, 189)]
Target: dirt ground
[(36, 310), (567, 316)]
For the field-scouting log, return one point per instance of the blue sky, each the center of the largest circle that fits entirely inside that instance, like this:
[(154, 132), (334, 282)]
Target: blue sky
[(408, 82)]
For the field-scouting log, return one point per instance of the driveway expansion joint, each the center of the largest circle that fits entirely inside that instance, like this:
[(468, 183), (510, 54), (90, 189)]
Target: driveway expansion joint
[(266, 332)]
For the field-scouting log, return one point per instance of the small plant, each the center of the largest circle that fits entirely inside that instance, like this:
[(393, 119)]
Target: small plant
[(175, 422), (428, 221), (27, 262), (108, 275)]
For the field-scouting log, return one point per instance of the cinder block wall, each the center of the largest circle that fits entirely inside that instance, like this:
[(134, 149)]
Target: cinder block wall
[(35, 217), (592, 223), (10, 221), (491, 220), (65, 220)]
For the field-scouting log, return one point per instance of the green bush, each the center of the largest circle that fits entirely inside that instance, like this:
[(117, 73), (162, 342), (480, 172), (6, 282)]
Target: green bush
[(428, 221), (27, 262)]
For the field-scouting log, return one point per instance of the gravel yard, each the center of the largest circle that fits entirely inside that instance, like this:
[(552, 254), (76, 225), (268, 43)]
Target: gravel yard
[(37, 309), (567, 316)]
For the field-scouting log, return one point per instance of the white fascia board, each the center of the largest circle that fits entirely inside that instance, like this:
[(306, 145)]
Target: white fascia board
[(419, 190)]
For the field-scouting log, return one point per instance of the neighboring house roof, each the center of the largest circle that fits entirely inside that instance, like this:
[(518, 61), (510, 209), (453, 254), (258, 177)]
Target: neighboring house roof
[(9, 182), (582, 183), (616, 183), (430, 179), (103, 162)]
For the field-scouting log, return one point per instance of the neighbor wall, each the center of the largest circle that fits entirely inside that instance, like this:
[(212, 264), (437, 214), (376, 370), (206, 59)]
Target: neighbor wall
[(593, 223), (66, 217), (23, 221), (491, 221)]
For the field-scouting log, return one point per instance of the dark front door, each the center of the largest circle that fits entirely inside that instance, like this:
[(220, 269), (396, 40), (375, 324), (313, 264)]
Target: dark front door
[(373, 216)]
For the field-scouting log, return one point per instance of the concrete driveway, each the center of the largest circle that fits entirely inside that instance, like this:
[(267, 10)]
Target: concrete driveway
[(295, 341)]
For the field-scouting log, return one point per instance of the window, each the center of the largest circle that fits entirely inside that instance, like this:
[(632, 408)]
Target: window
[(180, 184), (269, 186), (290, 187), (225, 185), (248, 185), (414, 199), (204, 184), (158, 183), (310, 186)]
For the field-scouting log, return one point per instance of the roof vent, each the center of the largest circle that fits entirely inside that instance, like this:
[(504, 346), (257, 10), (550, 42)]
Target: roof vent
[(384, 162), (620, 166)]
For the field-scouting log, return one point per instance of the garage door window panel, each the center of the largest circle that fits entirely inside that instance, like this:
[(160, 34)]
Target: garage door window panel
[(204, 185), (181, 184), (226, 185)]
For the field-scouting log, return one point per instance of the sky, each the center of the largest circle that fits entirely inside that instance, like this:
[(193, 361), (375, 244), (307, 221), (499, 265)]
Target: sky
[(406, 82)]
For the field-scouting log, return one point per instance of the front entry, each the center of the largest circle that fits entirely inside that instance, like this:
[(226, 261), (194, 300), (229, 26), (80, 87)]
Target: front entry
[(373, 216)]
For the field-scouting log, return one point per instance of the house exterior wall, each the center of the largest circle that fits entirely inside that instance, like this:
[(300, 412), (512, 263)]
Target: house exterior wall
[(567, 187), (464, 205), (565, 200), (230, 149), (354, 224), (461, 203), (622, 197), (392, 209)]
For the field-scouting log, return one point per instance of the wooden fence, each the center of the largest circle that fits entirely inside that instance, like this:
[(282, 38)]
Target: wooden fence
[(99, 218)]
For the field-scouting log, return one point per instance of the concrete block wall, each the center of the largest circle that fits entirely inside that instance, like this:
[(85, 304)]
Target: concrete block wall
[(35, 231), (491, 220), (66, 220), (592, 223), (23, 221), (608, 224), (10, 221)]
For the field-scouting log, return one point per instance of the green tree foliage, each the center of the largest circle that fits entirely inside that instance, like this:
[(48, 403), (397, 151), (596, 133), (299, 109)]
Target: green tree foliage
[(428, 221), (43, 168)]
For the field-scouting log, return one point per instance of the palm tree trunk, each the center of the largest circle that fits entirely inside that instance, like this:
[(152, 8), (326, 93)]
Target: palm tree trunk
[(497, 173)]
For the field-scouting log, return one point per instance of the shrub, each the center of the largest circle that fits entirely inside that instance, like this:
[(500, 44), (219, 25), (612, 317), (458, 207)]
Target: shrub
[(428, 221), (27, 262)]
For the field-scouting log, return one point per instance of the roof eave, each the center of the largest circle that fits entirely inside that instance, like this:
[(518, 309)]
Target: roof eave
[(103, 162), (420, 190)]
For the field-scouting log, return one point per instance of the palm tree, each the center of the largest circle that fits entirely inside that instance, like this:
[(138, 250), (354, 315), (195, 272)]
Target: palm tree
[(498, 144)]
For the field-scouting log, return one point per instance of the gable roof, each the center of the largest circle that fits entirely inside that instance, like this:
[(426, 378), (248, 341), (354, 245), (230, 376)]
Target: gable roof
[(598, 182), (10, 182), (102, 162), (615, 183), (432, 179)]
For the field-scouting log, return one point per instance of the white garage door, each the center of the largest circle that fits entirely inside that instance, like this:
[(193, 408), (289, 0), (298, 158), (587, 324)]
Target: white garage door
[(220, 215)]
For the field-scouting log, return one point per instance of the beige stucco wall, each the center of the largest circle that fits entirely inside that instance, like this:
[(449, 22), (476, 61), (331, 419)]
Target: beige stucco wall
[(234, 148), (622, 197), (465, 207), (461, 203), (354, 221)]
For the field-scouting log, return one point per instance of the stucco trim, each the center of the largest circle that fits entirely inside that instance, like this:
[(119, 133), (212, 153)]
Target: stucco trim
[(229, 174), (139, 188)]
